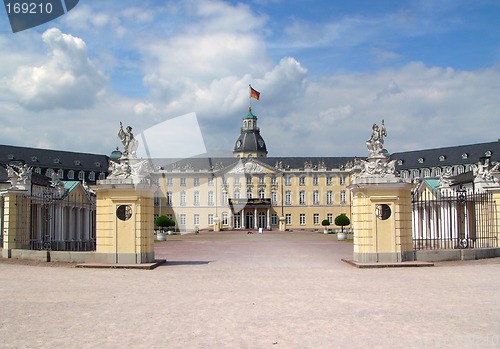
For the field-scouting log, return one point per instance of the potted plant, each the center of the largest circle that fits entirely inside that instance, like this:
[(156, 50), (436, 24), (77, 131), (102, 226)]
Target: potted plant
[(325, 223), (342, 220), (162, 222)]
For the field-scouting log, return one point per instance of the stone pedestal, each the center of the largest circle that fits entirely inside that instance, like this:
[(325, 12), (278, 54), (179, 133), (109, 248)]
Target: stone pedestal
[(382, 220), (216, 224), (16, 225), (125, 222), (282, 224)]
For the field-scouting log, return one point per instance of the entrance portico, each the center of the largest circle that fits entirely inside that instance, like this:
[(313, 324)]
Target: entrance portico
[(251, 213)]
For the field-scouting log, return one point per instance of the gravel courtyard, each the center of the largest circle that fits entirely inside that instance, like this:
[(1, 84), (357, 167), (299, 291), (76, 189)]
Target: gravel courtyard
[(238, 290)]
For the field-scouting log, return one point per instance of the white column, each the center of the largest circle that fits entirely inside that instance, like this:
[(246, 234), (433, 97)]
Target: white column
[(268, 222), (255, 218)]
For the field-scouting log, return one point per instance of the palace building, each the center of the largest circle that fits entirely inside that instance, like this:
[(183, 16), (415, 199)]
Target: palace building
[(252, 190)]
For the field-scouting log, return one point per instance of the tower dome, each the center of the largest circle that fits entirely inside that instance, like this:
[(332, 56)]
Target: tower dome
[(250, 142)]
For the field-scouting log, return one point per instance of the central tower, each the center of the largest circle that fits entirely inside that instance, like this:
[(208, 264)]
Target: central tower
[(250, 142)]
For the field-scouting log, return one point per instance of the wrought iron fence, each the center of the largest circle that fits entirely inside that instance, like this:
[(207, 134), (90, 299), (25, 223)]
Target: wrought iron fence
[(54, 223), (456, 219)]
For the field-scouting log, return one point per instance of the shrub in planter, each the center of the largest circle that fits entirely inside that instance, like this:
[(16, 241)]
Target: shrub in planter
[(325, 223), (342, 220)]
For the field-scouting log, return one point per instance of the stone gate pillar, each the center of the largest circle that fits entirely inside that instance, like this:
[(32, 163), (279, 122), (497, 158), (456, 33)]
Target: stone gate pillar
[(125, 207), (16, 209), (381, 208)]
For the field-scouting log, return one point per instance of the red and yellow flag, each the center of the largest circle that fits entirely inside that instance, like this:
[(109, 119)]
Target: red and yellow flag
[(254, 93)]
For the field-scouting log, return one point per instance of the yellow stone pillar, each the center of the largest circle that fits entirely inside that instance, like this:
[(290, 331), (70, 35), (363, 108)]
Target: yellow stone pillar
[(282, 223), (381, 219), (216, 223), (125, 222), (16, 225)]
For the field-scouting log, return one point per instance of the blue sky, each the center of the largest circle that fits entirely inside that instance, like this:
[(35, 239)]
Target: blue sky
[(326, 70)]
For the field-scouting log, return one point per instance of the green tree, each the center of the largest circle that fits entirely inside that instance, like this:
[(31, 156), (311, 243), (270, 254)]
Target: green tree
[(164, 222), (342, 220), (325, 222)]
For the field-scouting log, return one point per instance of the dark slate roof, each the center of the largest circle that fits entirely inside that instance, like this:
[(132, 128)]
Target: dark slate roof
[(451, 155), (54, 159)]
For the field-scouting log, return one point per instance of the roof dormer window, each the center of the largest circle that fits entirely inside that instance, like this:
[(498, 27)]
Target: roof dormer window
[(57, 161), (34, 159), (97, 164), (10, 157), (421, 160), (400, 162), (442, 158), (487, 153), (77, 162), (465, 156)]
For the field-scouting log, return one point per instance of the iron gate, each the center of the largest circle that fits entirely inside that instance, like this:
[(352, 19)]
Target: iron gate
[(457, 219)]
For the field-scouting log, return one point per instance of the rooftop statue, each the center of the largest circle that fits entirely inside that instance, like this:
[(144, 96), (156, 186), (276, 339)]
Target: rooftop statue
[(375, 144), (130, 144)]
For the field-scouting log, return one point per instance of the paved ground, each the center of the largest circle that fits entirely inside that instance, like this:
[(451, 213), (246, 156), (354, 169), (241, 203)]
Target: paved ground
[(235, 290)]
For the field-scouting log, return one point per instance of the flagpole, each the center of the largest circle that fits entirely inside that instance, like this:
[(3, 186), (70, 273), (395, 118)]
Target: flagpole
[(249, 98)]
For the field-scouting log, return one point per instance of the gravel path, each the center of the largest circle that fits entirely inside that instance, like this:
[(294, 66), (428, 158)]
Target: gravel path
[(238, 290)]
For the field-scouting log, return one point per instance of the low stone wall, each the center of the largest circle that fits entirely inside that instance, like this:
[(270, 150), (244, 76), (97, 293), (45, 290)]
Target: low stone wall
[(456, 255), (50, 256)]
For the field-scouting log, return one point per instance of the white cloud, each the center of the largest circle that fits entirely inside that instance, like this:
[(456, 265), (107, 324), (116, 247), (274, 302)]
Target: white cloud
[(67, 79)]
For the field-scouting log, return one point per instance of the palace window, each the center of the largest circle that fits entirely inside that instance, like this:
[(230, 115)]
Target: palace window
[(274, 219), (236, 194), (183, 181), (288, 180), (169, 198), (183, 219), (224, 218), (262, 193), (273, 180), (329, 180), (223, 198), (342, 180), (157, 198), (71, 174), (60, 173), (249, 193), (329, 197), (288, 218), (169, 181), (274, 197), (249, 179), (196, 219), (329, 216), (302, 197), (183, 198), (81, 175), (262, 180), (210, 180), (91, 176), (343, 197), (196, 181), (302, 219), (196, 198), (315, 180), (210, 198), (49, 172), (288, 197), (316, 219), (316, 197), (302, 180), (102, 176), (210, 219), (236, 180)]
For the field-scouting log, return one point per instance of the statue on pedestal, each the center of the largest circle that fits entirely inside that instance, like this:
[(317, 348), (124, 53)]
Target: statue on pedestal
[(378, 163)]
